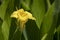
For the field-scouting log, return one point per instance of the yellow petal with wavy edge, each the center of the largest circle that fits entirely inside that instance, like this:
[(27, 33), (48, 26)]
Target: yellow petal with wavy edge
[(14, 14), (30, 15)]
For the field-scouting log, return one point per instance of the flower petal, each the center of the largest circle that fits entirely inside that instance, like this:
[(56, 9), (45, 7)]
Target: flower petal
[(14, 14), (30, 15)]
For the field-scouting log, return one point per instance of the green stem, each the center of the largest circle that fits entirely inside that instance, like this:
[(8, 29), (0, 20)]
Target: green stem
[(48, 3), (58, 36), (25, 34)]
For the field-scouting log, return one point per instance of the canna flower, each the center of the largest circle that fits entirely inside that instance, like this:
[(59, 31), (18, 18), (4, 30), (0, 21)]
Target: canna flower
[(22, 16)]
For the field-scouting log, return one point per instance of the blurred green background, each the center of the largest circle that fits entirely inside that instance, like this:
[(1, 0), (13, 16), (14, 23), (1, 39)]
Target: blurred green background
[(46, 26)]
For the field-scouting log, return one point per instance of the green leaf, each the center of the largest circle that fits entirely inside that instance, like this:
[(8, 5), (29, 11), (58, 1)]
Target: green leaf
[(3, 8), (33, 32), (48, 2), (25, 6), (47, 21), (58, 29), (38, 11), (27, 2), (1, 35), (5, 29), (51, 25), (6, 9), (55, 20)]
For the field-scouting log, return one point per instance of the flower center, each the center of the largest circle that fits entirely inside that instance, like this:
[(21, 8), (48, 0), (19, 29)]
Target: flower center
[(22, 13)]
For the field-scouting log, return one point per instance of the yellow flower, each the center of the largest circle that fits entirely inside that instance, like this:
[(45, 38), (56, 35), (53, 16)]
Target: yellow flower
[(22, 16)]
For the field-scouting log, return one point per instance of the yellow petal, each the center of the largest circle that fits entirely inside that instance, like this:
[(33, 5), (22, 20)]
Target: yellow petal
[(30, 15), (23, 18), (14, 15), (20, 12)]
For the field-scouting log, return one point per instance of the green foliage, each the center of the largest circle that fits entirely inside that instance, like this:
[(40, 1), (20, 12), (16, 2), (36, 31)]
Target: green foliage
[(46, 26), (38, 10)]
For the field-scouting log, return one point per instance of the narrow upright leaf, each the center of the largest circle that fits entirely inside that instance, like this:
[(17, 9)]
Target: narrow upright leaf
[(38, 10), (47, 21)]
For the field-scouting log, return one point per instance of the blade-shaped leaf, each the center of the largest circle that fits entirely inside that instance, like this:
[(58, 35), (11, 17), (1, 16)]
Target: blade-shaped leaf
[(47, 22), (38, 10), (3, 8), (33, 32), (1, 35), (6, 10), (55, 19)]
